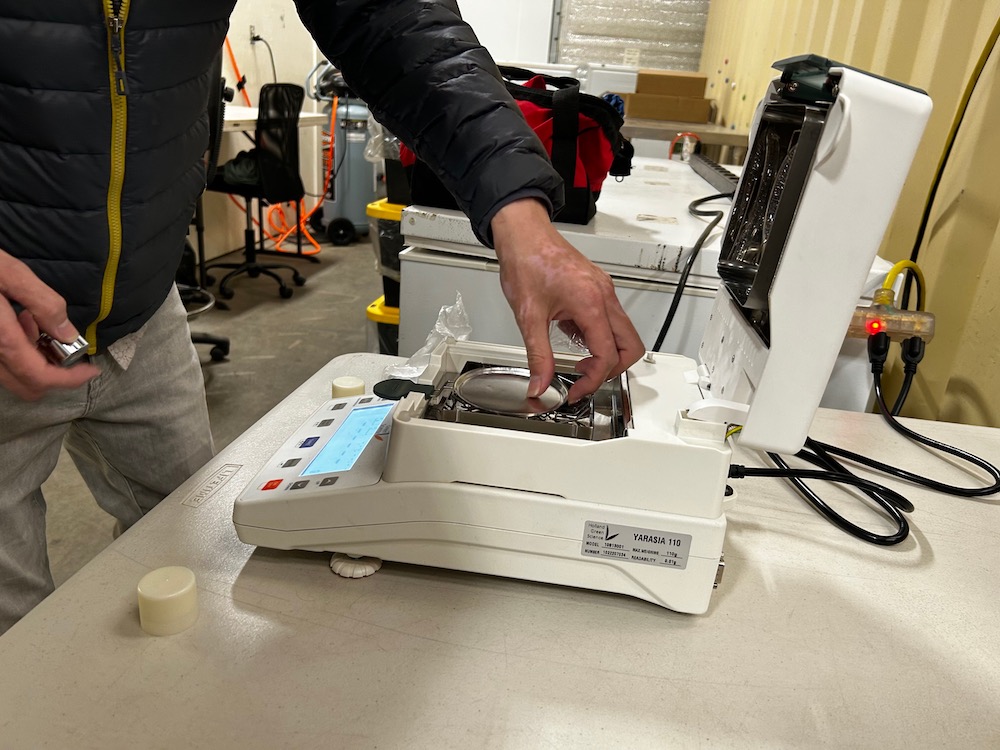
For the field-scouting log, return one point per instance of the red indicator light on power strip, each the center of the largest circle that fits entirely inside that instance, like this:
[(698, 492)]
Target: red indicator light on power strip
[(874, 326)]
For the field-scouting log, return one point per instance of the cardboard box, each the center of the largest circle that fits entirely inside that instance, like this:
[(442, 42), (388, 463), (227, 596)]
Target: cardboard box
[(671, 83), (679, 108)]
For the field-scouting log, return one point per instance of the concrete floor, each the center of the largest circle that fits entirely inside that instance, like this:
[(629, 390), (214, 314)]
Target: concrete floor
[(276, 345)]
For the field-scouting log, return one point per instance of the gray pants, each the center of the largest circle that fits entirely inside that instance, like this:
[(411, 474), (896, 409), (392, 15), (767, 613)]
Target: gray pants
[(134, 435)]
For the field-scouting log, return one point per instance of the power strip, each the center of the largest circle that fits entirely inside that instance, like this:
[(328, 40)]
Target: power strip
[(714, 174)]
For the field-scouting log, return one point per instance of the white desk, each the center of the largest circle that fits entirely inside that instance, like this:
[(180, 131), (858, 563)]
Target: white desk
[(238, 118), (814, 639)]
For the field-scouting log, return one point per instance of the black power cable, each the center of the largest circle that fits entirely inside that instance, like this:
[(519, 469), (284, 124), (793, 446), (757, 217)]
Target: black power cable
[(913, 353), (963, 107), (912, 477), (889, 500), (686, 272), (259, 38)]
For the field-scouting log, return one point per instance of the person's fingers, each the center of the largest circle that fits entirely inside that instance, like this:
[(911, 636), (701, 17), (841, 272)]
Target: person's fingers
[(28, 325), (24, 370), (544, 278), (627, 340), (534, 327), (19, 283), (603, 358), (613, 342)]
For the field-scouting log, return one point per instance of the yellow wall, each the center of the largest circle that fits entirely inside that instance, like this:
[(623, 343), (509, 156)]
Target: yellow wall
[(933, 45)]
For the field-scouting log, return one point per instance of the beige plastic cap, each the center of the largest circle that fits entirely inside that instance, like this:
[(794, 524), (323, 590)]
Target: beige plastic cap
[(168, 600), (348, 385)]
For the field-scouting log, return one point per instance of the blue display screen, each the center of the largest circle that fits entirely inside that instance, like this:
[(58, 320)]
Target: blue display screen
[(349, 441)]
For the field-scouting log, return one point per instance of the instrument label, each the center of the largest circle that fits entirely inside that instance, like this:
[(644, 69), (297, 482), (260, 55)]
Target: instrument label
[(629, 544), (199, 496)]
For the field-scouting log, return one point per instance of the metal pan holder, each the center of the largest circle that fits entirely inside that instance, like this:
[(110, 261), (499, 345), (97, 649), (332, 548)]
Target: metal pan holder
[(503, 390)]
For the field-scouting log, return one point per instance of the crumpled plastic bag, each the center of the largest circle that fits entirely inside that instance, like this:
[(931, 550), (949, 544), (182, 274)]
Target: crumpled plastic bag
[(452, 322), (564, 336), (381, 143)]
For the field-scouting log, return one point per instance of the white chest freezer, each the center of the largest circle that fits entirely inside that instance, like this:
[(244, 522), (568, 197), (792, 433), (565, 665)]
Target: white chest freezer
[(641, 235)]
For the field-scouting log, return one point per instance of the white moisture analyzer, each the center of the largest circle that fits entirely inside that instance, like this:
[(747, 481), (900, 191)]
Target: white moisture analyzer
[(624, 491), (574, 496)]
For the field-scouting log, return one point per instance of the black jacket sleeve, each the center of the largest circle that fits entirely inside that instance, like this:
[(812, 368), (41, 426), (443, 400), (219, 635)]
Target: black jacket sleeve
[(427, 79)]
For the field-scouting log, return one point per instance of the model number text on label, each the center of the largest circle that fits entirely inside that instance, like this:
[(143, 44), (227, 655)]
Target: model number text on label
[(629, 544)]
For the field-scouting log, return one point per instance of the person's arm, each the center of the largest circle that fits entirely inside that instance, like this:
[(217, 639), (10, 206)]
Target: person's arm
[(425, 76), (24, 371)]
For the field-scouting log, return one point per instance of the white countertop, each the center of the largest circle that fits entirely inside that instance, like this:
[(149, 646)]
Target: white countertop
[(813, 638)]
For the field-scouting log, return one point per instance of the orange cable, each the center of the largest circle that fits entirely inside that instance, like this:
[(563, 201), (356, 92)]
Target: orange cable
[(306, 215)]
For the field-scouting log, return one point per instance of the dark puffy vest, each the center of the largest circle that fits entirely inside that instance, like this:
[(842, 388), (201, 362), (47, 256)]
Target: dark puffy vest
[(417, 65), (58, 95)]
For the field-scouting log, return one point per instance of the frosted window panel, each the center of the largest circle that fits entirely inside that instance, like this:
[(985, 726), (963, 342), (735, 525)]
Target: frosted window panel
[(642, 33)]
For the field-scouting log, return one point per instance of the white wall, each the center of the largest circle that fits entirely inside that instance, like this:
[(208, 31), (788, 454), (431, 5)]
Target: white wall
[(512, 30)]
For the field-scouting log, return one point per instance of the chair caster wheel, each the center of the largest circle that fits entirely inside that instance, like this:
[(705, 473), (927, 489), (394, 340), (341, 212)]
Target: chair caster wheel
[(286, 292), (209, 280), (219, 353), (226, 293), (253, 273), (299, 280)]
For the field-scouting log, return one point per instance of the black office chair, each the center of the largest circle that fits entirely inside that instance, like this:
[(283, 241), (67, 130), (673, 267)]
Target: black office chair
[(198, 300), (269, 173)]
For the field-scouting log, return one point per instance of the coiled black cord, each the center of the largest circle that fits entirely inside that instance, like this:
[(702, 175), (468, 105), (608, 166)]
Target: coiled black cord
[(887, 499), (913, 477), (892, 503)]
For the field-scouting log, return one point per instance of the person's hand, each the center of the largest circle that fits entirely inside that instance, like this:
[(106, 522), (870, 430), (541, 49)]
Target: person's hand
[(24, 370), (544, 278)]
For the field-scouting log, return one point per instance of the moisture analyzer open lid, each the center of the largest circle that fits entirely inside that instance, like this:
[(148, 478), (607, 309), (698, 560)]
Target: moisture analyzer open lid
[(830, 149)]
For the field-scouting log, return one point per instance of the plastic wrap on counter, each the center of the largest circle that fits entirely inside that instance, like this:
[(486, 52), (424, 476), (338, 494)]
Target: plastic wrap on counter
[(452, 322)]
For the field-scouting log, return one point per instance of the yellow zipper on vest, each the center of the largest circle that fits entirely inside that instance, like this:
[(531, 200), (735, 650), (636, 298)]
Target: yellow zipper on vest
[(115, 16)]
